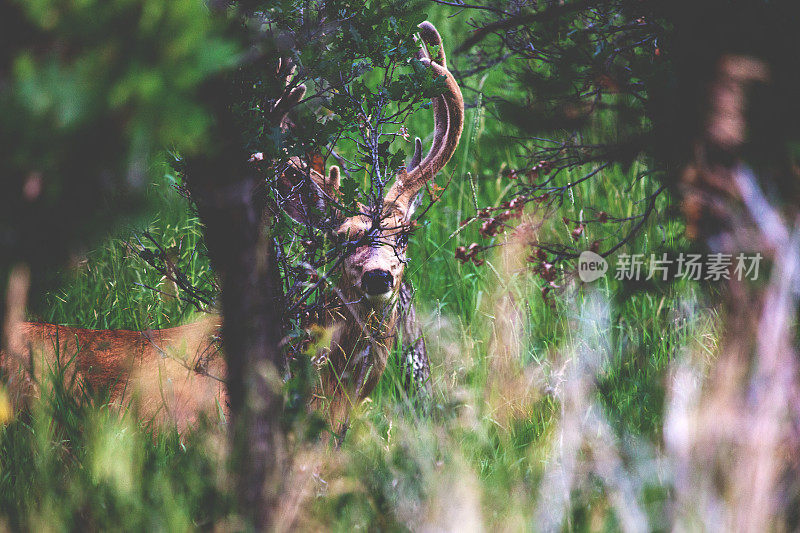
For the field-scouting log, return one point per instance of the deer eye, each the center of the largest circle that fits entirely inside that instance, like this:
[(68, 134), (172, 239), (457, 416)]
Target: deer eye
[(348, 240)]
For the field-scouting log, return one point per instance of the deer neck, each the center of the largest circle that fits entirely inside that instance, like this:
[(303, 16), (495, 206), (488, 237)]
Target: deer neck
[(364, 335)]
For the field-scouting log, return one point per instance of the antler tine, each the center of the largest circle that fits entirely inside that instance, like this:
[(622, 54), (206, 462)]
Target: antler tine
[(284, 71), (417, 157), (430, 35), (285, 103), (332, 183), (448, 117)]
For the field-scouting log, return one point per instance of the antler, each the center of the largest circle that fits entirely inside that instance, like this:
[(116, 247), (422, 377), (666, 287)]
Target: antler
[(289, 97), (448, 122)]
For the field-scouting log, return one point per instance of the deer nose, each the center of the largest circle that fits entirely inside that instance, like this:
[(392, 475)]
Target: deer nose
[(376, 282)]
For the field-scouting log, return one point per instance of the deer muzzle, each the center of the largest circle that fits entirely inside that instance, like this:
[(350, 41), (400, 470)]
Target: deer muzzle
[(377, 283)]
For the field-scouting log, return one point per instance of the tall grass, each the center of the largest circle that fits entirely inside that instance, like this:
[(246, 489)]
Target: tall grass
[(113, 288)]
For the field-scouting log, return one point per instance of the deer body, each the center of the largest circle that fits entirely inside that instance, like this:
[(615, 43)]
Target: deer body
[(179, 373), (171, 375), (175, 375)]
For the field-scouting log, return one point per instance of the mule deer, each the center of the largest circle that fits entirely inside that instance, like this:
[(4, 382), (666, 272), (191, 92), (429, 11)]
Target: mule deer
[(177, 373)]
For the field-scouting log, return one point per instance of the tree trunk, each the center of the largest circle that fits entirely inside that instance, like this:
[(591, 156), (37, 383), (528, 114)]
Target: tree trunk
[(230, 198)]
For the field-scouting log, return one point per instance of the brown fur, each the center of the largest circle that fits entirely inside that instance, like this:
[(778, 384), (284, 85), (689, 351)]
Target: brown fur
[(170, 375), (365, 330)]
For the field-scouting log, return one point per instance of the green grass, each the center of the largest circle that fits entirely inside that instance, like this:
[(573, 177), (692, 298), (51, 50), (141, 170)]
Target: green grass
[(481, 455), (113, 288)]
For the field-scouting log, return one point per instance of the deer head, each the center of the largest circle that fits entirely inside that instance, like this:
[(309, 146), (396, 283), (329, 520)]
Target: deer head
[(375, 241), (377, 236)]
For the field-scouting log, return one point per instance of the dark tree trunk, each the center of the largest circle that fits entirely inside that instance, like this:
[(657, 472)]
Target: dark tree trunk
[(230, 201)]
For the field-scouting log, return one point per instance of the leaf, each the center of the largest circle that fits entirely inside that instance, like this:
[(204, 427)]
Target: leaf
[(349, 191)]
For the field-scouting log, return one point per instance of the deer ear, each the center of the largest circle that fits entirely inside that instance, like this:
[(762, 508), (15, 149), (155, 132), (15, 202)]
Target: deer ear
[(305, 193), (299, 194)]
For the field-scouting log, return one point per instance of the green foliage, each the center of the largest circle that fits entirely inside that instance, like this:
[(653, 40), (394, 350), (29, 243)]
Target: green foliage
[(353, 57), (87, 91), (138, 62), (113, 287)]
